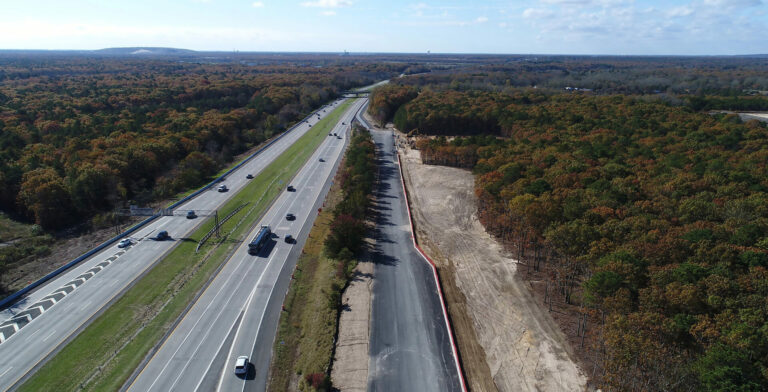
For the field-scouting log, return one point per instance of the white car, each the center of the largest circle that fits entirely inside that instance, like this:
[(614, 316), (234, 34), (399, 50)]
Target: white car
[(223, 188), (241, 365), (124, 243)]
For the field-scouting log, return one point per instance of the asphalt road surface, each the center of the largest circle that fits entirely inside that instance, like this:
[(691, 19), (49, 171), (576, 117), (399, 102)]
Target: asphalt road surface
[(410, 347), (38, 324), (238, 313)]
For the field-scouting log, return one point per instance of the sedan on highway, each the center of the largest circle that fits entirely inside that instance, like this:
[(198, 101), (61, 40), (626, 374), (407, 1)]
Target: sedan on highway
[(249, 176), (222, 188), (241, 365), (288, 239), (124, 243), (191, 214), (290, 216)]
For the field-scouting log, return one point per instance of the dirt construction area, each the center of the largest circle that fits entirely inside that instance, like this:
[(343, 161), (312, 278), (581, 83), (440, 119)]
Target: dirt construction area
[(523, 347)]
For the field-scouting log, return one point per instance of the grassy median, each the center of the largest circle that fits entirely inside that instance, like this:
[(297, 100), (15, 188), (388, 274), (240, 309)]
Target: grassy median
[(103, 356)]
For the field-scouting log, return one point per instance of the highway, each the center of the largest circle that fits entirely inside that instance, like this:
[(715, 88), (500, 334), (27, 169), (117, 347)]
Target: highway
[(410, 347), (35, 326), (238, 313)]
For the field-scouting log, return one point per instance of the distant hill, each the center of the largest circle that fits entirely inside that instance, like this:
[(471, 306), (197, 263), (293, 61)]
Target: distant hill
[(144, 51)]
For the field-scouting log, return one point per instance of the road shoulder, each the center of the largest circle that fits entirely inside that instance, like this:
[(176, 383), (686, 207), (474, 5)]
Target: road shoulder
[(350, 364)]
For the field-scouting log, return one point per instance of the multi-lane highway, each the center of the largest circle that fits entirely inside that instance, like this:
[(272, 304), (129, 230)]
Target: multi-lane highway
[(410, 347), (38, 324), (238, 313)]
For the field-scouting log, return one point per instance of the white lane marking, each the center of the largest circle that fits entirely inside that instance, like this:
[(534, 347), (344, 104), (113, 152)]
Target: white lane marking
[(205, 311), (85, 305), (200, 342), (32, 334), (307, 176), (49, 335), (6, 371), (247, 304)]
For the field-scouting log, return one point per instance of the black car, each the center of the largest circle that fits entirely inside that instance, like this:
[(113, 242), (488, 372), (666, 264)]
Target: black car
[(249, 176), (291, 188), (322, 160), (162, 235), (290, 216), (288, 239), (191, 214)]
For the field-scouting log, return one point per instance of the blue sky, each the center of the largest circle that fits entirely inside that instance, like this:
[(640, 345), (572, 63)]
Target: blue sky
[(654, 27)]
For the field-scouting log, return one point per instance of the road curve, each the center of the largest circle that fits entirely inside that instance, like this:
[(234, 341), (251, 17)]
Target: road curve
[(38, 324)]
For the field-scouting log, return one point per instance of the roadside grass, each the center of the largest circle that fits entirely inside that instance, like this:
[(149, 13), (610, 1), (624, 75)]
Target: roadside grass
[(19, 243), (304, 340), (105, 354)]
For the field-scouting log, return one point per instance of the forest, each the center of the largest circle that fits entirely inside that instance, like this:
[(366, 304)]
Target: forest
[(647, 212), (81, 136)]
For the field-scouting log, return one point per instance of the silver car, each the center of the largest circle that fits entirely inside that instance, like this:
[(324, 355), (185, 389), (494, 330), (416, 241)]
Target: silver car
[(241, 365)]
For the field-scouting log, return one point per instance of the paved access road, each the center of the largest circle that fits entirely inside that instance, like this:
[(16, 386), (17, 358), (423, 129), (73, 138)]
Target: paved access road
[(53, 314), (239, 312), (410, 347)]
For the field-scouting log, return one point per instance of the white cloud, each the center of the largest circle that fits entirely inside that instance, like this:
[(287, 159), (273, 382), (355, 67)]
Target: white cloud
[(481, 19), (681, 11), (258, 4), (327, 3), (733, 3), (537, 13), (503, 25), (328, 13)]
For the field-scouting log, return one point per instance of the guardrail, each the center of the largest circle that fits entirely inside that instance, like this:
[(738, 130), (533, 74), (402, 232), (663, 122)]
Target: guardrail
[(217, 225), (7, 301)]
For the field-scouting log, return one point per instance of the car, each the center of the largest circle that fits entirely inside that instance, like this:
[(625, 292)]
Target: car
[(223, 188), (330, 134), (322, 160), (162, 235), (343, 123), (310, 125), (291, 188), (124, 243), (334, 134), (249, 176), (288, 239), (338, 137), (290, 216), (241, 365), (191, 214)]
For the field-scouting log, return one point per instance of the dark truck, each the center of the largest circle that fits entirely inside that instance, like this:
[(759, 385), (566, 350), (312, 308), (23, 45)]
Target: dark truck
[(261, 238)]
